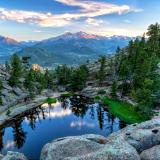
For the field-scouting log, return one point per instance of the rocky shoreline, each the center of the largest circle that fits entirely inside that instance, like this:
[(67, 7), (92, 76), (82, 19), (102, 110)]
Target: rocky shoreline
[(135, 142), (24, 106)]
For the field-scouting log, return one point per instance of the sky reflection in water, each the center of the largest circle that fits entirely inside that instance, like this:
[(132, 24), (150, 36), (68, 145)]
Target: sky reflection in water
[(29, 132)]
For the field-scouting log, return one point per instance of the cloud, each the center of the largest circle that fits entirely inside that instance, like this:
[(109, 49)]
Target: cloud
[(92, 8), (87, 9), (81, 123), (42, 19), (10, 144), (56, 111), (110, 31), (94, 22)]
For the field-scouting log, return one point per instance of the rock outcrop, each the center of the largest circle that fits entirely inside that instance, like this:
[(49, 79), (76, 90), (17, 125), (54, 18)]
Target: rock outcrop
[(10, 95), (135, 142)]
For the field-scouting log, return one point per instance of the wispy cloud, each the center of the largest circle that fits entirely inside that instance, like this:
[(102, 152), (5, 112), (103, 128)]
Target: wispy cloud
[(87, 9), (42, 19), (94, 22), (37, 31), (93, 8), (110, 31)]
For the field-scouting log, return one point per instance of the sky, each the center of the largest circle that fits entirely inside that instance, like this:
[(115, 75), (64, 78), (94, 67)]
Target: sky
[(40, 19)]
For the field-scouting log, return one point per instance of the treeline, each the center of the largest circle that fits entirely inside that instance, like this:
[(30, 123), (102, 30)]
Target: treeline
[(23, 76), (75, 78), (36, 80), (72, 79), (0, 92), (135, 70)]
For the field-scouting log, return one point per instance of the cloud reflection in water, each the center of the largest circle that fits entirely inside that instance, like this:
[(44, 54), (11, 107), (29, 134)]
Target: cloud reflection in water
[(81, 123), (55, 110)]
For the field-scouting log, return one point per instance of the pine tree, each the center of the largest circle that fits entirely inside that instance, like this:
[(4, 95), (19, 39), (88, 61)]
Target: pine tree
[(8, 67), (0, 92), (144, 98), (16, 70), (48, 79), (101, 73), (63, 74), (79, 78), (137, 69), (30, 83), (114, 90)]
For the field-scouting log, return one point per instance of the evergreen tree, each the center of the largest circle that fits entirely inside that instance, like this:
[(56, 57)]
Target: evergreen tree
[(16, 70), (137, 69), (79, 78), (114, 90), (30, 82), (63, 74), (145, 100), (101, 73), (7, 65), (0, 92), (48, 79)]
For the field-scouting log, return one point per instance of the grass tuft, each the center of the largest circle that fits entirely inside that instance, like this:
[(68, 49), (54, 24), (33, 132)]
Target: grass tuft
[(70, 94), (50, 100), (125, 111)]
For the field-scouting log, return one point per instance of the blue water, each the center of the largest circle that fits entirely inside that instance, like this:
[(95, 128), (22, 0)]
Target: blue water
[(29, 132)]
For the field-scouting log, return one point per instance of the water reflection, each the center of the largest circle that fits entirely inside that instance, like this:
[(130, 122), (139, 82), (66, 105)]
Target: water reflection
[(18, 133), (55, 111), (1, 138), (81, 123), (74, 116)]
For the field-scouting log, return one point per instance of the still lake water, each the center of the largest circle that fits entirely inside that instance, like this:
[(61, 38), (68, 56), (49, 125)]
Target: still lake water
[(30, 131)]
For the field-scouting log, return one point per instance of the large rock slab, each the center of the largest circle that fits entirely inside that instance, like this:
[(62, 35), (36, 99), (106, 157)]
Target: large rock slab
[(151, 154), (88, 147), (135, 142), (143, 139)]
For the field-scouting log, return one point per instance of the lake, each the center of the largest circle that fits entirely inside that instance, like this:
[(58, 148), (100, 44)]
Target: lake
[(30, 131)]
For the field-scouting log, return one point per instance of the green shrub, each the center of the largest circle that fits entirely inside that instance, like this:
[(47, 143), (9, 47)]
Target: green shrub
[(97, 97), (50, 100), (101, 92), (70, 94), (8, 112)]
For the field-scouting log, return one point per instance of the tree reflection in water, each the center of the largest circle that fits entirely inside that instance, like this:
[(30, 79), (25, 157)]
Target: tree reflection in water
[(18, 133), (1, 138), (100, 114), (78, 105)]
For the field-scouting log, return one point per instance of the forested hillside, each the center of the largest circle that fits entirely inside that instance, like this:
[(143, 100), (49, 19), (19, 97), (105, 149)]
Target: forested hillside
[(136, 66), (133, 73)]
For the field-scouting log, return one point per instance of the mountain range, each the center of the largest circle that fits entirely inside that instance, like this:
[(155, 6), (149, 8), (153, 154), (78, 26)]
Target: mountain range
[(68, 48)]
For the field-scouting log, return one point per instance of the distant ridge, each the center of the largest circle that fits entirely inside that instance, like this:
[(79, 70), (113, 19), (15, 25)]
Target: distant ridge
[(69, 48)]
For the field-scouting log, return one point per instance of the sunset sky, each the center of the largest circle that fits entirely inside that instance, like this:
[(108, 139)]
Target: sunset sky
[(40, 19)]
